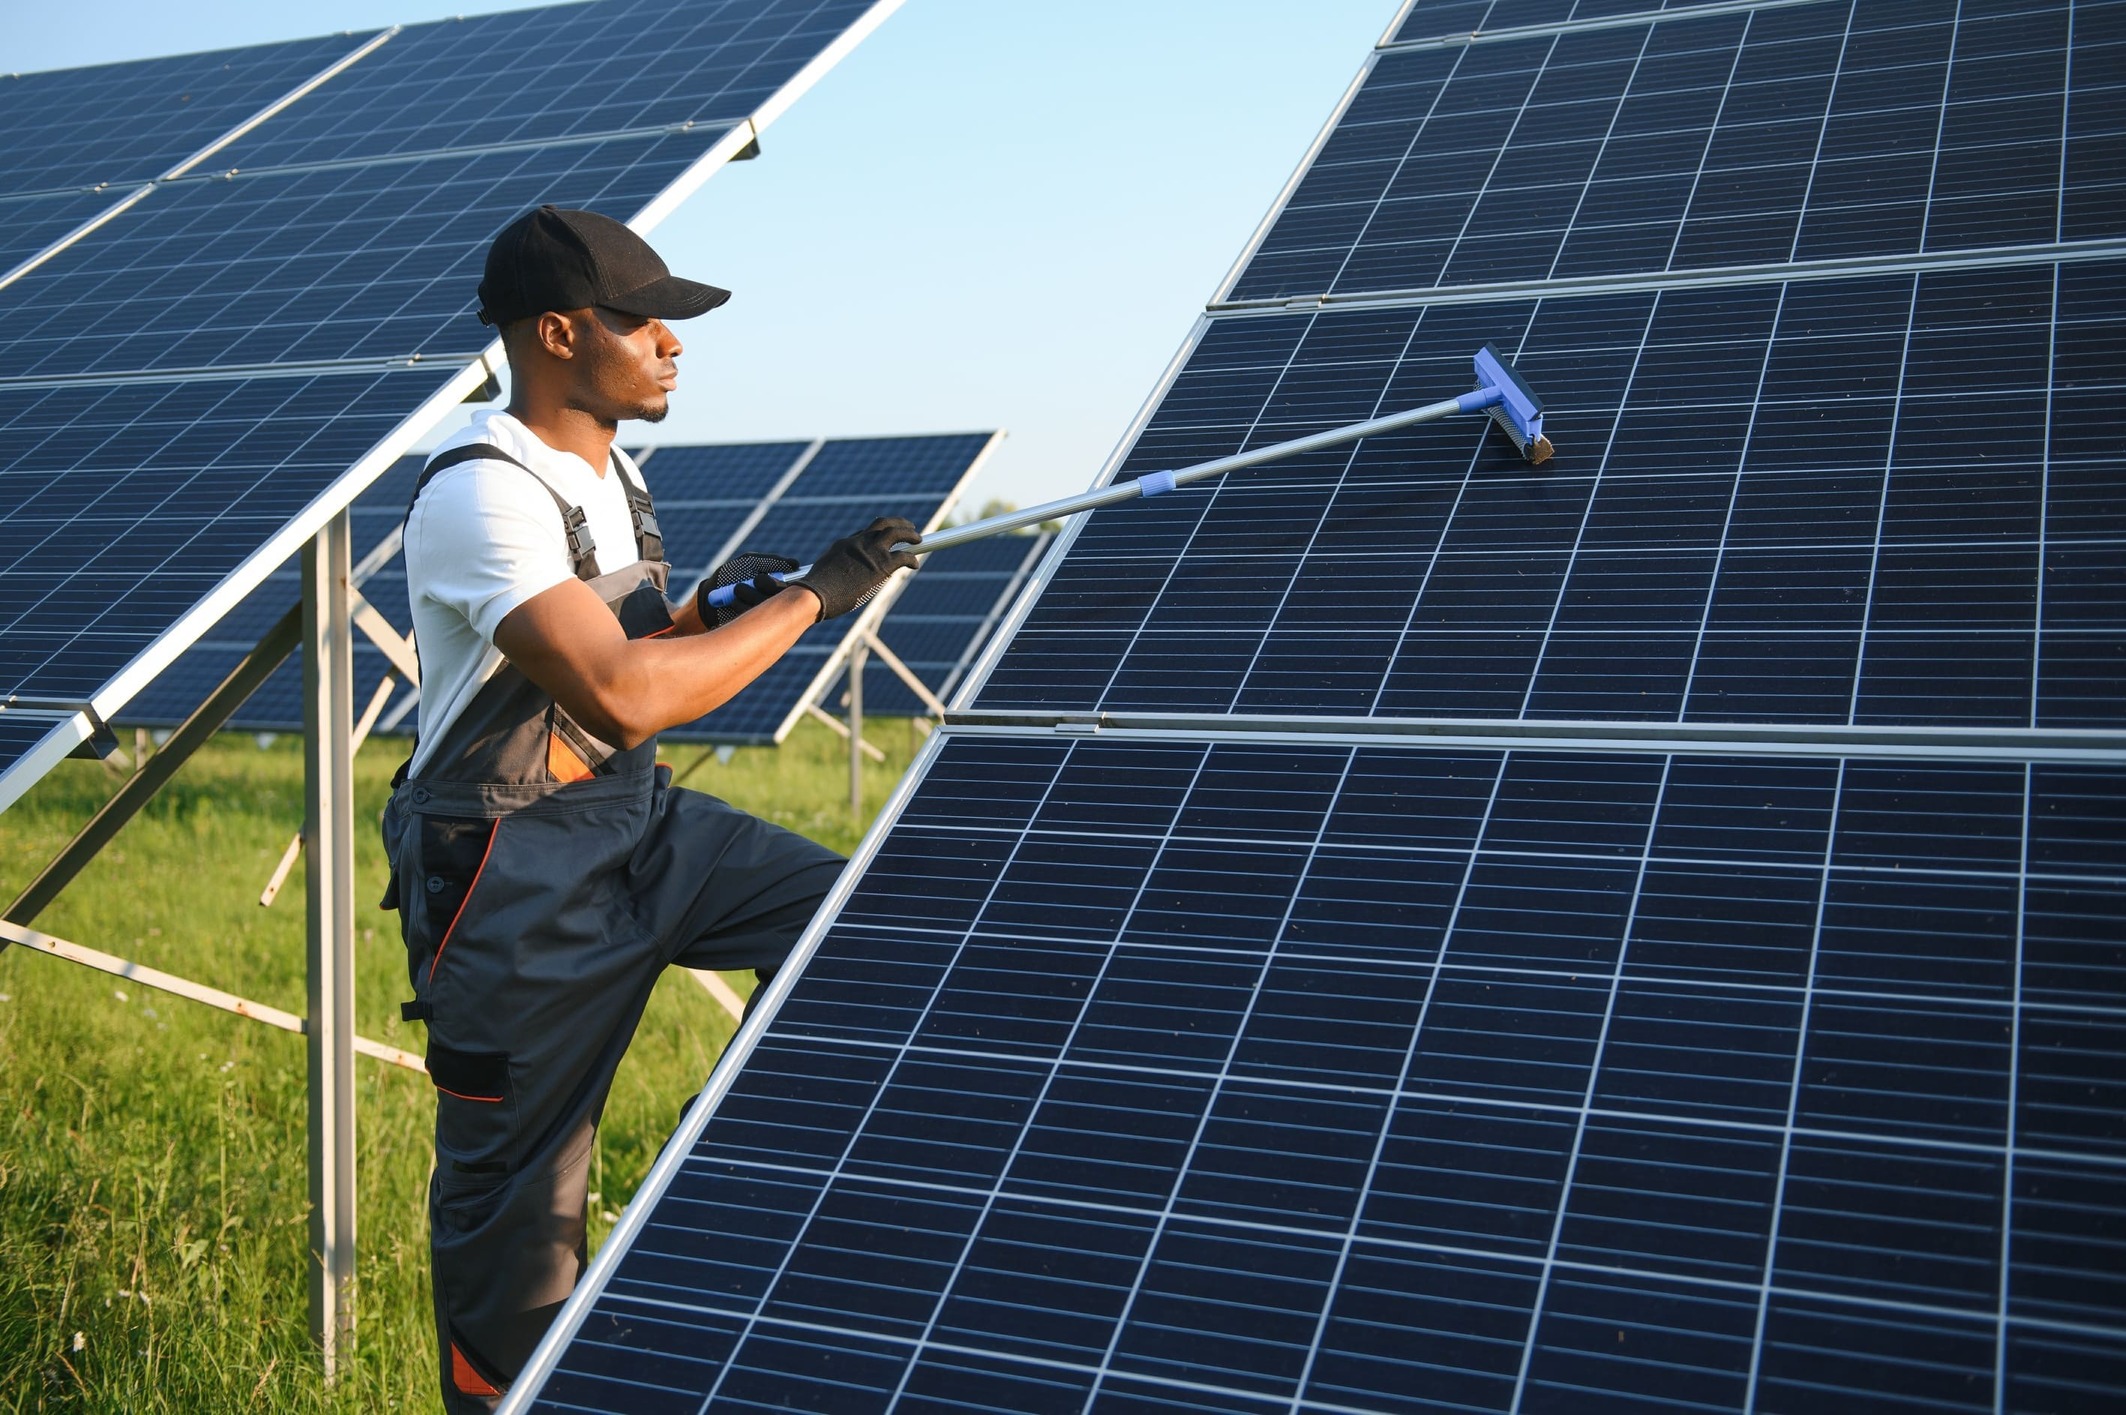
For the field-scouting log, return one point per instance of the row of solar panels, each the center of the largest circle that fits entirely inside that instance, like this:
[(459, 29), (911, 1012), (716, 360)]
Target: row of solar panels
[(237, 286), (1329, 962), (713, 501)]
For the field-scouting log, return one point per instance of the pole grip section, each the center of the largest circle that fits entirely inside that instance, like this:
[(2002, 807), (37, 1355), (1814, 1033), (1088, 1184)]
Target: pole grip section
[(728, 594)]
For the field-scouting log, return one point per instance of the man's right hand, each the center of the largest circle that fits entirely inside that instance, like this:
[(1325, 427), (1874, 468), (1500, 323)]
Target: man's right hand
[(853, 568)]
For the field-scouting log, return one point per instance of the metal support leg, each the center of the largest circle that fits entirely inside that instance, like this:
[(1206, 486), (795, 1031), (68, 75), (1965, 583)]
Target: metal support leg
[(858, 653), (328, 798)]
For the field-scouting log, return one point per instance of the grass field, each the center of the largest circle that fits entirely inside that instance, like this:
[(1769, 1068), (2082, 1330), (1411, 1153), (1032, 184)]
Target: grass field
[(153, 1190)]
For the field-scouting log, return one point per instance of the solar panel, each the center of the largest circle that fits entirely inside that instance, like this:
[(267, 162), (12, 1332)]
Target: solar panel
[(277, 704), (1854, 501), (268, 268), (938, 624), (706, 492), (128, 502), (1807, 132), (845, 485), (1279, 988), (191, 384), (1232, 1076), (30, 224), (123, 123), (1438, 19), (558, 74)]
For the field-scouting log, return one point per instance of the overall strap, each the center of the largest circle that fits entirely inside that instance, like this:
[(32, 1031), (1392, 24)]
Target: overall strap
[(649, 541), (582, 550)]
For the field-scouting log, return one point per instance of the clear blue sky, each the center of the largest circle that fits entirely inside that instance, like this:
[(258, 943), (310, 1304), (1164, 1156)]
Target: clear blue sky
[(993, 213)]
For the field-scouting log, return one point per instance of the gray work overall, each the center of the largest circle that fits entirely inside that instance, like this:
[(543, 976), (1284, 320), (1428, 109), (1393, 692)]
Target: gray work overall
[(544, 879)]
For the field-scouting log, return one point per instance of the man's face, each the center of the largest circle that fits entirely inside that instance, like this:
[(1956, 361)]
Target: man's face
[(626, 365)]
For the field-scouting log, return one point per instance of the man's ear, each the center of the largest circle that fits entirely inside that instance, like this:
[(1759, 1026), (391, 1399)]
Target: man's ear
[(557, 333)]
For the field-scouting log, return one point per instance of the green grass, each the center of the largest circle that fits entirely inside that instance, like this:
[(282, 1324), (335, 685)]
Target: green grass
[(153, 1185)]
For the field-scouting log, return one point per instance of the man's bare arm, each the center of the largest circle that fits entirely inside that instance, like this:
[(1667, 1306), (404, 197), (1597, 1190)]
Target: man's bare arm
[(628, 690)]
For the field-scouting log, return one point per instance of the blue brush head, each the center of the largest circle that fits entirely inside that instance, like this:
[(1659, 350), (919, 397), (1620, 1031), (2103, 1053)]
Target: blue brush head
[(1518, 412)]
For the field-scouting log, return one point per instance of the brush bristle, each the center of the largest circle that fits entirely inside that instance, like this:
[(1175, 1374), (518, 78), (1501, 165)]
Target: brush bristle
[(1537, 454)]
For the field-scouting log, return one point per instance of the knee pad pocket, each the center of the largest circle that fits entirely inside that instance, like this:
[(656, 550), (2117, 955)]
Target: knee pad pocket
[(476, 1107)]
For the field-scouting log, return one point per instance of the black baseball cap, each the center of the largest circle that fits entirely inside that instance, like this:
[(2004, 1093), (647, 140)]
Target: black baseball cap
[(553, 259)]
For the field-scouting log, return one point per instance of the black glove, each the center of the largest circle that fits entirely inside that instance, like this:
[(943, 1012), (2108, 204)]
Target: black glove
[(754, 578), (855, 566)]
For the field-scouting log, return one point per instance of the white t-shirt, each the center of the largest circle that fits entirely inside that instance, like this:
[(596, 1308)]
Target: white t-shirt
[(483, 538)]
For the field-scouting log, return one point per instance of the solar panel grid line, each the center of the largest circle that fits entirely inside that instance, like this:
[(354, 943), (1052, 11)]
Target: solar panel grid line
[(1506, 144), (1793, 1104), (488, 149), (1587, 1096), (2014, 1099), (1866, 740), (1867, 612), (1705, 617)]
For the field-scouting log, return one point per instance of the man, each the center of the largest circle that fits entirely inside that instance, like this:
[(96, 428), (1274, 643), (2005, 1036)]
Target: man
[(545, 869)]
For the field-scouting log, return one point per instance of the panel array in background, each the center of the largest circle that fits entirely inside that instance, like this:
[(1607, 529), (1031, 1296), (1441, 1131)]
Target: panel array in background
[(846, 484), (331, 251), (1274, 1060), (1224, 1077), (705, 493), (940, 622), (1808, 132)]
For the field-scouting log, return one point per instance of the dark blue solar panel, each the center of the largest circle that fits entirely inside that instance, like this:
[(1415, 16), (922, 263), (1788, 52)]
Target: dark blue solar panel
[(20, 733), (277, 705), (940, 621), (121, 123), (1869, 500), (1252, 1077), (552, 74), (127, 503), (1798, 133), (368, 261), (800, 529), (1434, 19), (875, 467), (705, 493), (846, 485), (725, 473), (30, 224)]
